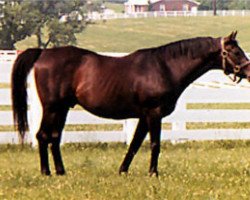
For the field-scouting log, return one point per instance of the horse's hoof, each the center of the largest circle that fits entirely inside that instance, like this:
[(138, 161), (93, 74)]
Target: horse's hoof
[(46, 173), (123, 171), (154, 174), (60, 173)]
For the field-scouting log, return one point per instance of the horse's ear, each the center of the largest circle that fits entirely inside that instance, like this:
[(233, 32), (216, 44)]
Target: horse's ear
[(233, 35)]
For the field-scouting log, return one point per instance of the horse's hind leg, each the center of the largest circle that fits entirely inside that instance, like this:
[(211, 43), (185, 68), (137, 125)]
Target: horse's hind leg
[(43, 151), (139, 136), (59, 123), (154, 124), (50, 132)]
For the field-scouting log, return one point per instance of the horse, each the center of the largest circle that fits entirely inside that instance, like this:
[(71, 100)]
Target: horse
[(145, 84)]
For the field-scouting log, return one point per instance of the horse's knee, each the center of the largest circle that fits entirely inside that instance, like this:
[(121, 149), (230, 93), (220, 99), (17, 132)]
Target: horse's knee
[(42, 137), (55, 137)]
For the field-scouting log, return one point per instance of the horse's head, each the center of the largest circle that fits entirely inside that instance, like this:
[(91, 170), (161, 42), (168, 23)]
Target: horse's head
[(234, 60)]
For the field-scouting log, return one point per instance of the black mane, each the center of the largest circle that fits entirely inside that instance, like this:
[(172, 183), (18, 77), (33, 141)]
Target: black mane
[(192, 48)]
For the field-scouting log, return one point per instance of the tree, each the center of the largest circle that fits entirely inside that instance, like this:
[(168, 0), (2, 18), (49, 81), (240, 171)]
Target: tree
[(59, 21), (208, 4), (239, 5), (225, 4), (54, 23), (16, 23)]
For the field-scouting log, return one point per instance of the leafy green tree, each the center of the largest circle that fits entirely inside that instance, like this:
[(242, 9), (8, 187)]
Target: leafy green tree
[(59, 21), (208, 4), (53, 22), (225, 4), (16, 23), (239, 5), (205, 5)]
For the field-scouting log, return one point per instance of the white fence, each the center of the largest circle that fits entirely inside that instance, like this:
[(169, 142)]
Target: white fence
[(7, 56), (205, 13), (213, 87)]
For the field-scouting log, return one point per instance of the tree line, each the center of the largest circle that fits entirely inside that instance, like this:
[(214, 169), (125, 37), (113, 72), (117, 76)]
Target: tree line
[(224, 4)]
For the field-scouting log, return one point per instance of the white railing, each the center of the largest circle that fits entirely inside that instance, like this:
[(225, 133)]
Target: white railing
[(205, 13), (8, 56), (213, 87)]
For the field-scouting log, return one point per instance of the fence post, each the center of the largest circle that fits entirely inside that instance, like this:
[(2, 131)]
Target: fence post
[(35, 114), (243, 13), (179, 125), (129, 127)]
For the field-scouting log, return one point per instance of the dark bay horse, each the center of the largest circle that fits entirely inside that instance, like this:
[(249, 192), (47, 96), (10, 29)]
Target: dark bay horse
[(145, 84)]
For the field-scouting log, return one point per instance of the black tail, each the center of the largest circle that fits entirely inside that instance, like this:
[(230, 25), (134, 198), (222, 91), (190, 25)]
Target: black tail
[(20, 71)]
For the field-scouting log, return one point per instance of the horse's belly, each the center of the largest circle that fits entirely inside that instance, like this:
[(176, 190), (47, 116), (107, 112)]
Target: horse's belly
[(112, 112)]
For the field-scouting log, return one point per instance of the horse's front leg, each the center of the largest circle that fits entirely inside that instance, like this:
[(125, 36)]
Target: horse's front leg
[(139, 136), (154, 124)]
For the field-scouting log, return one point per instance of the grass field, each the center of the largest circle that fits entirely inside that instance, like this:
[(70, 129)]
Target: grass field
[(117, 7), (204, 170), (127, 35), (4, 85)]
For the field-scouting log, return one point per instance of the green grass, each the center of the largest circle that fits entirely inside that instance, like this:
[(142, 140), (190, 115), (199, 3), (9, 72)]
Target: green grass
[(94, 127), (117, 7), (217, 125), (192, 170), (76, 127), (5, 107), (127, 35), (77, 107), (4, 85), (218, 106), (7, 128)]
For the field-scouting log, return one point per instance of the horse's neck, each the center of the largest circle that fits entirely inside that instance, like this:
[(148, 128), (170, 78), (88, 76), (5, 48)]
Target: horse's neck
[(195, 71), (188, 70)]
